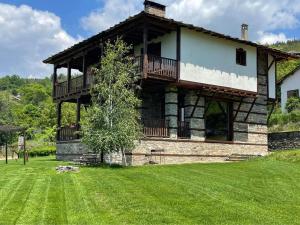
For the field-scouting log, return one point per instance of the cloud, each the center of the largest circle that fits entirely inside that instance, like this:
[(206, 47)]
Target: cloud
[(27, 37), (112, 12), (270, 38), (224, 16)]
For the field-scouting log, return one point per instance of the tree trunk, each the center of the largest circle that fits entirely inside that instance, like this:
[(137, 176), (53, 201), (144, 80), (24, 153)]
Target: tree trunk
[(124, 157)]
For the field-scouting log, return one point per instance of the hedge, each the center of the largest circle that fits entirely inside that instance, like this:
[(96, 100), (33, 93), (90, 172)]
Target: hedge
[(42, 151)]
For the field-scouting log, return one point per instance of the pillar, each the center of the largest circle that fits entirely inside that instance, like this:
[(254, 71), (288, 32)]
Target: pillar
[(145, 47), (194, 113), (78, 117), (54, 81), (171, 109), (69, 76), (58, 112)]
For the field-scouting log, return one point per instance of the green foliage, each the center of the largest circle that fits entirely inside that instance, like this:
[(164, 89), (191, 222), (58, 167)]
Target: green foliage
[(284, 121), (292, 104), (285, 67), (112, 122), (287, 156), (42, 151)]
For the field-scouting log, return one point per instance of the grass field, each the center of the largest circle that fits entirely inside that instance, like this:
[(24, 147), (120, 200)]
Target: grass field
[(263, 191)]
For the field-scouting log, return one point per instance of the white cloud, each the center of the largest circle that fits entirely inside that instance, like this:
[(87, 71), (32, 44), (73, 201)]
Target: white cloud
[(112, 12), (270, 38), (27, 37), (224, 16)]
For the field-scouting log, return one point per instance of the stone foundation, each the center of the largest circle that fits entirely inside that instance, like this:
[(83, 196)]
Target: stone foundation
[(168, 151)]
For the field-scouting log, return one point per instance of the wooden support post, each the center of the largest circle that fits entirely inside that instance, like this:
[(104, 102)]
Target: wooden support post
[(145, 47), (238, 109), (54, 81), (69, 76), (178, 52), (250, 110), (6, 150), (84, 71), (58, 111), (195, 106), (272, 109), (78, 118)]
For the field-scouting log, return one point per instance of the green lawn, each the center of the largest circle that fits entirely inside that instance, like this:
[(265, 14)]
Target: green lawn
[(264, 191)]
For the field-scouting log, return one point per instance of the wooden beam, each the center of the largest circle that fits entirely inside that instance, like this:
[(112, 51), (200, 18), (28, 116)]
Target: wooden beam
[(271, 112), (78, 116), (238, 109), (145, 47), (269, 67), (84, 71), (69, 76), (195, 106), (250, 110), (178, 51), (58, 111), (54, 81)]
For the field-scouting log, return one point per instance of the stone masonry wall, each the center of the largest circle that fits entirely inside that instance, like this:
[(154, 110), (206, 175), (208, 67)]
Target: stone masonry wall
[(284, 140)]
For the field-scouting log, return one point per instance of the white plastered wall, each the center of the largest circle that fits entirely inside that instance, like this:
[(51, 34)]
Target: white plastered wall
[(168, 45), (272, 78), (289, 84), (209, 60)]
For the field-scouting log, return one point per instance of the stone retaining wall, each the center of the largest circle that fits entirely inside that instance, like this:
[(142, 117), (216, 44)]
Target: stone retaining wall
[(284, 140)]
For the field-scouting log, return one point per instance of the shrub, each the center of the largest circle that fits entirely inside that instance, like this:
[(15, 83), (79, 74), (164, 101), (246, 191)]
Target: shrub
[(292, 104), (42, 151)]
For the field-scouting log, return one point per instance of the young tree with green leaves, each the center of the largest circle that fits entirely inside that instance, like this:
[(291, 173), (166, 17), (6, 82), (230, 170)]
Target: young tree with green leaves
[(112, 122)]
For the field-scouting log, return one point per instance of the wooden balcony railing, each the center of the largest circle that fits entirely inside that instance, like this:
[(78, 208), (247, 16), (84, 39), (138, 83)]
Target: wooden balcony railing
[(183, 129), (156, 128), (157, 68), (160, 67), (68, 133), (151, 128)]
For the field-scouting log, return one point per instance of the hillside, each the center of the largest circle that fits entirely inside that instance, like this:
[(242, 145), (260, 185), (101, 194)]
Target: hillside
[(286, 67)]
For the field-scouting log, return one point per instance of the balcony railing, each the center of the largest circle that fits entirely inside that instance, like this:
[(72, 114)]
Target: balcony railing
[(156, 128), (68, 133), (183, 129), (157, 68)]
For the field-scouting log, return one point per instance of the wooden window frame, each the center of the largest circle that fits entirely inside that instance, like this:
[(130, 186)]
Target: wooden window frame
[(293, 93), (241, 57)]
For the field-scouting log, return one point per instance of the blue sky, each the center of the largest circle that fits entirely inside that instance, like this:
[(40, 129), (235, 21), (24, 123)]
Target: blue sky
[(32, 30)]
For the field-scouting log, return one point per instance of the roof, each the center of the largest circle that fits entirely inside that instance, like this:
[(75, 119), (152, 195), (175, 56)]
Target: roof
[(143, 15), (288, 75)]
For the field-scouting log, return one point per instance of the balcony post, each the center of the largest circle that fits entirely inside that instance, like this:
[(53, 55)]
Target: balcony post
[(178, 52), (54, 81), (69, 76), (78, 117), (58, 112), (84, 70), (145, 47)]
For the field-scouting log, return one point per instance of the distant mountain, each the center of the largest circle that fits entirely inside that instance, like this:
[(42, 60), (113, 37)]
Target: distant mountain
[(286, 67)]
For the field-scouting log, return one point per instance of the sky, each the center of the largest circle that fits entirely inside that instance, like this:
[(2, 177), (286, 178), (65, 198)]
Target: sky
[(32, 30)]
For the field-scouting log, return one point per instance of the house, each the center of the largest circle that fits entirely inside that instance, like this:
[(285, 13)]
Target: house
[(289, 86), (204, 94)]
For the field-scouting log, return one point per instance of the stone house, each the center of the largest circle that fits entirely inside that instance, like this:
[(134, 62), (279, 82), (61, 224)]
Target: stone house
[(205, 94)]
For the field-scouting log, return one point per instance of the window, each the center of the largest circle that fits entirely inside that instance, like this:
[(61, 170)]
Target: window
[(241, 57), (293, 93), (218, 120)]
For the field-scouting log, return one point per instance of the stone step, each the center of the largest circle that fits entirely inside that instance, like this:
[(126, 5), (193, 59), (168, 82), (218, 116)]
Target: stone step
[(239, 157)]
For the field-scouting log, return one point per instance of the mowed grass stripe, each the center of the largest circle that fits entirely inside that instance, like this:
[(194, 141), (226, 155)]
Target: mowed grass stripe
[(32, 213), (55, 211)]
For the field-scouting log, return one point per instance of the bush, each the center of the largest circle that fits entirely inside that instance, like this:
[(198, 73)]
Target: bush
[(292, 104), (42, 151)]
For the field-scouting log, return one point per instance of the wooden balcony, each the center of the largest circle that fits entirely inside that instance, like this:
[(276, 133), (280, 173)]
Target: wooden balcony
[(158, 128), (158, 68)]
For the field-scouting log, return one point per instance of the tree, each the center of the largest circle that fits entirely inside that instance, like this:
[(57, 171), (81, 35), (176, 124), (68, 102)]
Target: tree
[(292, 104), (112, 122)]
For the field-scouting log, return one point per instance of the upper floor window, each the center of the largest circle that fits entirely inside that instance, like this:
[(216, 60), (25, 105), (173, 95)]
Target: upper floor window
[(293, 93), (241, 57)]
